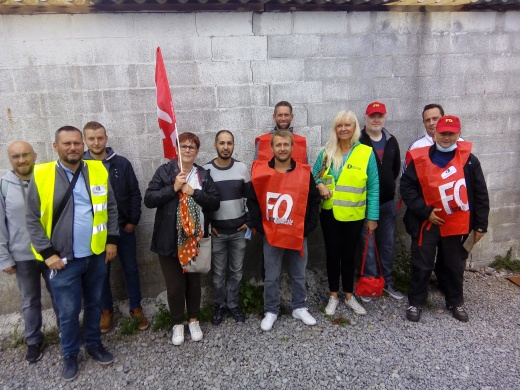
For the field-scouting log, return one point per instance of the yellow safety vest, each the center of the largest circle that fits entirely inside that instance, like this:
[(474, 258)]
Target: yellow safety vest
[(349, 194), (44, 177)]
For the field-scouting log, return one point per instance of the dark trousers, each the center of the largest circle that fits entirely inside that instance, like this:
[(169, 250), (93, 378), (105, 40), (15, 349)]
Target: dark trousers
[(341, 239), (453, 257), (182, 288)]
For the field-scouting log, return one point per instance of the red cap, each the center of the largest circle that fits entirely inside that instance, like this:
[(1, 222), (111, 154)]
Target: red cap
[(376, 108), (448, 123)]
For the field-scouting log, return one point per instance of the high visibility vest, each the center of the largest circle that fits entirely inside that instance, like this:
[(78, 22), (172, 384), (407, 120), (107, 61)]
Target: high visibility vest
[(283, 203), (445, 188), (349, 194), (265, 152), (44, 177)]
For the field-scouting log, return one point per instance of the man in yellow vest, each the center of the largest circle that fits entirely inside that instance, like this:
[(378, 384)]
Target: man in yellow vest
[(285, 207), (72, 222)]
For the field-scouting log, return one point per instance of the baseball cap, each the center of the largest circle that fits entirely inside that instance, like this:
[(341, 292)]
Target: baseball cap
[(376, 108), (448, 123)]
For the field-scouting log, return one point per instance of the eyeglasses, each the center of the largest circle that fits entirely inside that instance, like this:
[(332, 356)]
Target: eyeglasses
[(188, 147), (17, 157)]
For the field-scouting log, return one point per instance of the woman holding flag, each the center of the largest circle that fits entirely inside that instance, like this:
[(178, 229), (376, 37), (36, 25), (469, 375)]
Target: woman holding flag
[(182, 192)]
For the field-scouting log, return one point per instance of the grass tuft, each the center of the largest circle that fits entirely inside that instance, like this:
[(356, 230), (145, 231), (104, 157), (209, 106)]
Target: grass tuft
[(506, 262)]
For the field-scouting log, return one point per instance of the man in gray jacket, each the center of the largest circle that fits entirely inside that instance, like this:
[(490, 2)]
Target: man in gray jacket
[(16, 256), (72, 221)]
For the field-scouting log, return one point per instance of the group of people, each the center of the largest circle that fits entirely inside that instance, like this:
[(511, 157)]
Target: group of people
[(66, 220)]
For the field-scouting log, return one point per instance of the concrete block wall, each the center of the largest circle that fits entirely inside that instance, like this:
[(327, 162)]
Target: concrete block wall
[(227, 70)]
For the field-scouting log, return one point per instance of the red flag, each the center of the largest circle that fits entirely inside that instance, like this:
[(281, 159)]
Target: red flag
[(165, 112)]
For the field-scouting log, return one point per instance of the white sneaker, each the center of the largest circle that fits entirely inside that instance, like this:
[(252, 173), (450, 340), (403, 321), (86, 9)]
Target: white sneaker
[(196, 333), (331, 306), (355, 306), (268, 321), (303, 315), (178, 334)]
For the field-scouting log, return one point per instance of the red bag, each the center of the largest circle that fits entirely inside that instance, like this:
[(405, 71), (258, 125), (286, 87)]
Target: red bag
[(370, 286)]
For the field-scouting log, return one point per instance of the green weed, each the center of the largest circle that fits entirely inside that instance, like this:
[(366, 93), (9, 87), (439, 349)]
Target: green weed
[(127, 327), (15, 340), (402, 267), (506, 262), (252, 298), (162, 320), (339, 320)]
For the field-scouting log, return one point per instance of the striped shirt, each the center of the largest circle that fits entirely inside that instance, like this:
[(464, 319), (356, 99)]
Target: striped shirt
[(231, 183)]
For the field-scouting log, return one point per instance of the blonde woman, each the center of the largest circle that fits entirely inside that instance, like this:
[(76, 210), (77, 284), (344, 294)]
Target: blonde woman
[(348, 182)]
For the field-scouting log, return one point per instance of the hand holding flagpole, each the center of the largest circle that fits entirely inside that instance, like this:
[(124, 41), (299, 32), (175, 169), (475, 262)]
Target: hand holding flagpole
[(165, 111)]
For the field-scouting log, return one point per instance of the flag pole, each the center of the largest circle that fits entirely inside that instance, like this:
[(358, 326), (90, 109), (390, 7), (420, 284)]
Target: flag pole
[(179, 147)]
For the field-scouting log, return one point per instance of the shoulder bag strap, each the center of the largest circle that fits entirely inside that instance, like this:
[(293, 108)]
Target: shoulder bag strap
[(65, 199)]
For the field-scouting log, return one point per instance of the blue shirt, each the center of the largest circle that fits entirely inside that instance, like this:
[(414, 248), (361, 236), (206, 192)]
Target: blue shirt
[(83, 215)]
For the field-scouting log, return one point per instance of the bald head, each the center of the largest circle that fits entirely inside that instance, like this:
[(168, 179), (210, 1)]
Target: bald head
[(22, 157)]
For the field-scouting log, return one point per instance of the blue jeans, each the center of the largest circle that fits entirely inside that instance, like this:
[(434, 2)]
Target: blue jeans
[(82, 278), (28, 276), (126, 250), (273, 265), (385, 243), (227, 254)]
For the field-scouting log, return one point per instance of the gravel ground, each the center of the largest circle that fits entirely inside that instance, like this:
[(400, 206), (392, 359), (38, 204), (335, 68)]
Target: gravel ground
[(381, 350)]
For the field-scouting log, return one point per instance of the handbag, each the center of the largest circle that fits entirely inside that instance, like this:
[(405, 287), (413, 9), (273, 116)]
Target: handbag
[(370, 286), (202, 262)]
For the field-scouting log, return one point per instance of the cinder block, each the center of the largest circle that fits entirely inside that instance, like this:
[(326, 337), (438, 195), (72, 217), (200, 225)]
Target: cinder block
[(277, 70), (346, 45), (20, 105), (193, 97), (501, 104), (312, 134), (475, 128), (436, 22), (512, 21), (489, 83), (34, 130), (360, 22), (389, 87), (473, 21), (6, 81), (224, 24), (505, 63), (123, 125), (504, 232), (374, 66), (272, 23), (440, 87), (122, 51), (179, 73), (329, 68), (427, 65), (397, 43), (501, 162), (243, 95), (169, 24), (504, 215), (41, 26), (347, 89), (504, 180), (398, 22), (55, 103), (463, 105), (184, 49), (219, 73), (214, 120), (304, 92), (474, 43), (89, 102), (239, 48), (130, 100), (106, 25), (320, 114), (463, 64), (294, 46), (320, 22), (436, 44)]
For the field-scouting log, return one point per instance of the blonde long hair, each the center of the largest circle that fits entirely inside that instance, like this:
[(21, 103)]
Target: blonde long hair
[(332, 147)]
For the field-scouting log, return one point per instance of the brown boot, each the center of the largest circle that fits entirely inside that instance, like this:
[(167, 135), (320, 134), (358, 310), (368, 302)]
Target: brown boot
[(106, 321), (143, 321)]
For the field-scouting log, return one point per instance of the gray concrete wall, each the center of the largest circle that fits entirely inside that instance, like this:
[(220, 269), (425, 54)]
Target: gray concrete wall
[(227, 70)]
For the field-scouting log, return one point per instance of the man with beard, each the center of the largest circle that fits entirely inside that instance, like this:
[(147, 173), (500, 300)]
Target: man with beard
[(281, 187), (72, 222), (282, 117), (229, 226), (128, 197), (16, 256)]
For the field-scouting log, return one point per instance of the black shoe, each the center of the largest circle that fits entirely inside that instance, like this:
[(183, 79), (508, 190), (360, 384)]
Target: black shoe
[(218, 315), (413, 313), (237, 314), (34, 352), (100, 354), (459, 312), (70, 368)]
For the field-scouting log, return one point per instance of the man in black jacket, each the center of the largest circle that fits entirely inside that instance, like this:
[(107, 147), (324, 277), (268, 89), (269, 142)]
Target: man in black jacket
[(128, 197), (388, 158), (446, 197)]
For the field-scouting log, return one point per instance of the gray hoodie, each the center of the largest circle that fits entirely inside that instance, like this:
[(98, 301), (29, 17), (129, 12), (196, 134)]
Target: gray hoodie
[(15, 243)]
